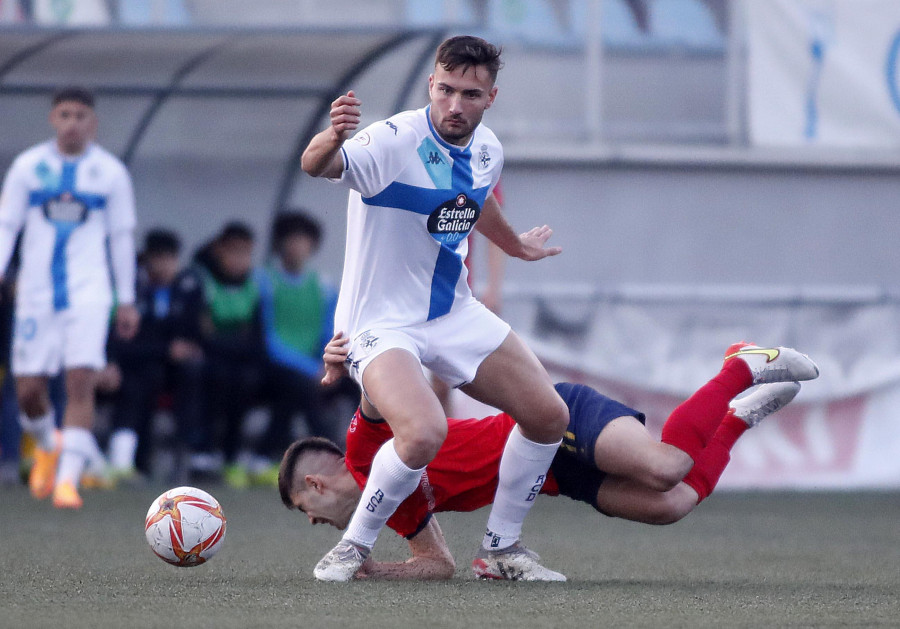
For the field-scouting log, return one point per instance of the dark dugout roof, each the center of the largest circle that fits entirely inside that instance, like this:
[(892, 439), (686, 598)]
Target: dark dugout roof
[(168, 92)]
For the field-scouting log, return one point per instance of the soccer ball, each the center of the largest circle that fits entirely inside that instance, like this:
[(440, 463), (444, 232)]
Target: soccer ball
[(185, 526)]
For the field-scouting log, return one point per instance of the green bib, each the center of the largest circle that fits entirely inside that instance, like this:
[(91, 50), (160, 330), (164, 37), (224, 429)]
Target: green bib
[(298, 312), (230, 307)]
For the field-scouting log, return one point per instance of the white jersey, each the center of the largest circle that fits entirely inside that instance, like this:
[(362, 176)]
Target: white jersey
[(414, 198), (67, 207)]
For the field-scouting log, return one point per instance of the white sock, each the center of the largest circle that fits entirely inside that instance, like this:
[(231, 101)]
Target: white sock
[(390, 483), (122, 448), (523, 470), (42, 428), (78, 448)]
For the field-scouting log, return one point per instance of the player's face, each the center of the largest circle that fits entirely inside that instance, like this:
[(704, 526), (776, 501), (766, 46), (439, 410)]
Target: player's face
[(459, 100), (162, 268), (75, 125), (322, 508), (296, 250), (236, 257)]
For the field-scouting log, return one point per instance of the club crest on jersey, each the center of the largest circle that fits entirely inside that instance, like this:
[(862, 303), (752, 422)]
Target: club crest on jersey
[(484, 158), (65, 208), (452, 221)]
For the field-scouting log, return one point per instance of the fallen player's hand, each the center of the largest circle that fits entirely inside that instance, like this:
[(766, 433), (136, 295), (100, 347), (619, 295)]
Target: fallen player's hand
[(335, 357), (533, 242)]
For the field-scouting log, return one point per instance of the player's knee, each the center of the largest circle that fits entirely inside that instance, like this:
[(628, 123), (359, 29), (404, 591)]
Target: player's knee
[(32, 399), (664, 477), (547, 422), (670, 508), (417, 448)]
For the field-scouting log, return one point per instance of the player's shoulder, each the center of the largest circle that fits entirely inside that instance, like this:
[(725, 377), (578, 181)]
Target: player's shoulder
[(33, 154), (109, 161), (400, 129)]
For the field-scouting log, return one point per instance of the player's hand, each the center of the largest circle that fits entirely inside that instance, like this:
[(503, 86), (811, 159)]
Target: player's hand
[(109, 379), (533, 242), (128, 319), (345, 115), (182, 350), (334, 357)]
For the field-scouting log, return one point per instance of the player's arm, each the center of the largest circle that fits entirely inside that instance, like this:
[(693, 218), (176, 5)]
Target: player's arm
[(121, 222), (13, 204), (431, 559), (322, 158), (528, 246)]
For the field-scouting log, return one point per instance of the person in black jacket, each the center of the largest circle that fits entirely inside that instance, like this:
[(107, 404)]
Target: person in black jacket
[(144, 363)]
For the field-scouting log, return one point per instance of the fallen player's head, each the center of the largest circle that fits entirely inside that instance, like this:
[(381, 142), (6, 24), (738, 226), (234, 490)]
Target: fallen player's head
[(313, 479)]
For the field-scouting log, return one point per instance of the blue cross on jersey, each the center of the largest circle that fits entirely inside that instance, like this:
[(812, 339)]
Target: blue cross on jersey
[(453, 208), (65, 208)]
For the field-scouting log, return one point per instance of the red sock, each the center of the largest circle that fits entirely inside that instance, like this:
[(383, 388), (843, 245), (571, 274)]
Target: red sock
[(691, 426), (708, 467)]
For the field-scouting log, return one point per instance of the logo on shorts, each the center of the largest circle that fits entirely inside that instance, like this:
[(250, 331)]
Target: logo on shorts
[(453, 220), (364, 138), (367, 340)]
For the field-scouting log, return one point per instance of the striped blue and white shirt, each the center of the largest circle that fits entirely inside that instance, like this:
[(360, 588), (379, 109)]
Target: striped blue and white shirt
[(414, 198), (67, 206)]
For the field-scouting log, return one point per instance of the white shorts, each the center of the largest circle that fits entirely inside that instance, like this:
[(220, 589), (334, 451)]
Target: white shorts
[(452, 346), (45, 340)]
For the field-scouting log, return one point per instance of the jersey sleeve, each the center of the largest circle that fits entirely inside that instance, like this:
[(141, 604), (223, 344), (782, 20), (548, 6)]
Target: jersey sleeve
[(120, 206), (376, 155), (13, 205)]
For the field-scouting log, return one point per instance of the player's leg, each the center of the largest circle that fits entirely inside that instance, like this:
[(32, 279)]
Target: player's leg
[(625, 498), (84, 331), (38, 419), (512, 379), (394, 382), (36, 353), (634, 499), (690, 426), (625, 448), (745, 413)]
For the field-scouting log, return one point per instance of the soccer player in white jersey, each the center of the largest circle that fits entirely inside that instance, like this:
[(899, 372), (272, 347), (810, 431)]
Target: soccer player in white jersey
[(418, 183), (69, 197)]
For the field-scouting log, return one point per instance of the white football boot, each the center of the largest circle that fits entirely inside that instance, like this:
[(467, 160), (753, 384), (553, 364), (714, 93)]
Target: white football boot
[(764, 401), (341, 562), (773, 364), (515, 563)]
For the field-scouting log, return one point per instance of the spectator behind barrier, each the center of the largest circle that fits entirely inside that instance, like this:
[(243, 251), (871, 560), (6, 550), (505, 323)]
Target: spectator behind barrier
[(218, 339), (298, 320), (143, 368)]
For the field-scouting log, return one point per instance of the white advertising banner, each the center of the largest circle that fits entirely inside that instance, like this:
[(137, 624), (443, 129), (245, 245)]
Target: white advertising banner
[(842, 430), (823, 72)]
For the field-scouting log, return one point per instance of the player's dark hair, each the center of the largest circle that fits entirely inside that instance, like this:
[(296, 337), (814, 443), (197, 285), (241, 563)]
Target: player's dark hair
[(293, 223), (160, 242), (466, 51), (236, 231), (74, 93), (293, 455)]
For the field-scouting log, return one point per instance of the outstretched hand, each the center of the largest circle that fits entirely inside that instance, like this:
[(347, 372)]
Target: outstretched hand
[(335, 357), (345, 115), (533, 242)]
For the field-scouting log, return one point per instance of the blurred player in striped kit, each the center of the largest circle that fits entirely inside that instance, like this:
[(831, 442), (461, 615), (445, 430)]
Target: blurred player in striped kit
[(68, 197)]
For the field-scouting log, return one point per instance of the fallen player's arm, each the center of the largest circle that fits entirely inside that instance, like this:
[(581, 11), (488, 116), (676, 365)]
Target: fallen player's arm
[(431, 559)]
